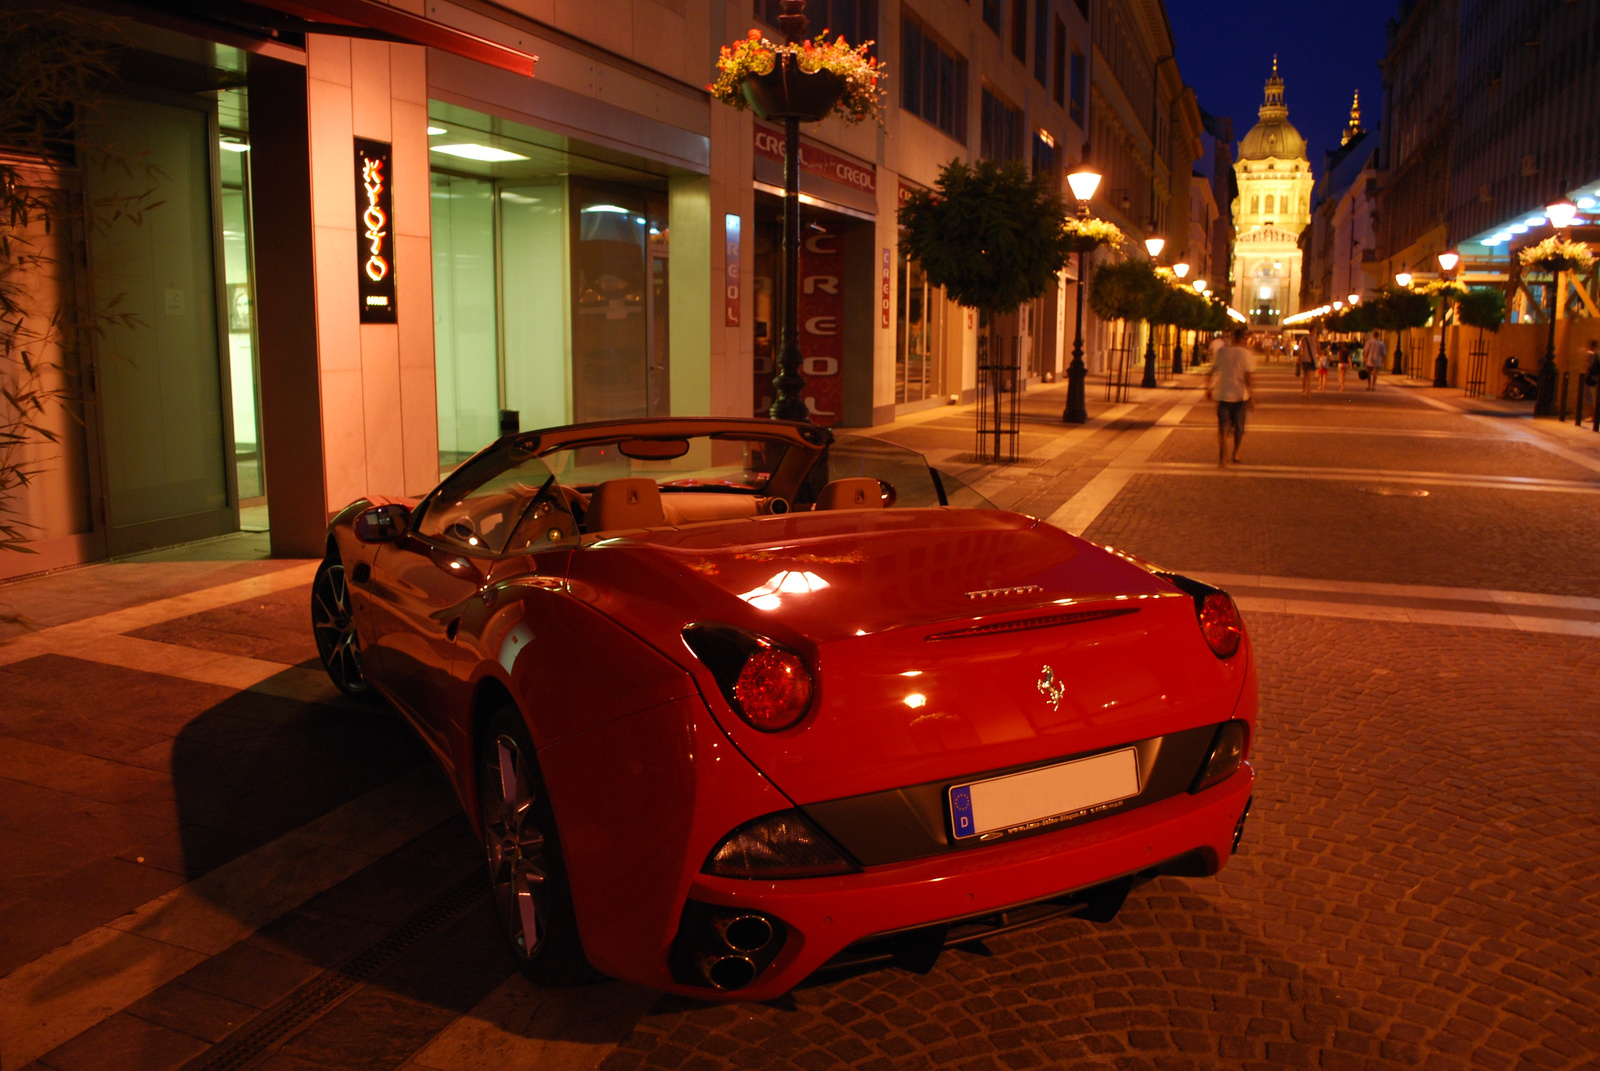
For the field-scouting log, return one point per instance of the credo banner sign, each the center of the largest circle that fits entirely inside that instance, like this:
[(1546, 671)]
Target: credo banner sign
[(821, 315), (374, 232)]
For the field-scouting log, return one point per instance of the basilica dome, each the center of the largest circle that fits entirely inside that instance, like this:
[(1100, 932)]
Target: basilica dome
[(1273, 136)]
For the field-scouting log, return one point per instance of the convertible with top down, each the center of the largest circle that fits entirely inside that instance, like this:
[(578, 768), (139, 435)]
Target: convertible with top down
[(732, 701)]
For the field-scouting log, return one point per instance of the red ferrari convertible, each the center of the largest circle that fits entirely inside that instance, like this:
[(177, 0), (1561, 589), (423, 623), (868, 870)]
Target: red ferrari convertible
[(731, 701)]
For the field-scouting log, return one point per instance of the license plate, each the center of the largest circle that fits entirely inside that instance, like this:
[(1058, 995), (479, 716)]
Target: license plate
[(1043, 796)]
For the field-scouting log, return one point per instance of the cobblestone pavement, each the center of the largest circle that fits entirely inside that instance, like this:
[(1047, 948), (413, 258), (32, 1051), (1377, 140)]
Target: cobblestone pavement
[(208, 859)]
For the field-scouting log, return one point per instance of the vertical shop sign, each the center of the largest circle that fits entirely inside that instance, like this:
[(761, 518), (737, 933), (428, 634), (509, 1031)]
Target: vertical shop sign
[(821, 315), (374, 232), (730, 279), (883, 297)]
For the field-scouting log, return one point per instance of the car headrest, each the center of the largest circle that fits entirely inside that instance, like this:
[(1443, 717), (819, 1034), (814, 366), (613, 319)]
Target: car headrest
[(857, 492), (629, 502)]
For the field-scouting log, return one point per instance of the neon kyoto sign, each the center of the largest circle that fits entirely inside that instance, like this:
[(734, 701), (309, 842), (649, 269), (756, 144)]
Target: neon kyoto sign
[(374, 232)]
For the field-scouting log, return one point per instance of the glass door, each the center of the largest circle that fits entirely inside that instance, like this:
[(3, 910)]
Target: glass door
[(238, 310), (919, 341), (155, 278)]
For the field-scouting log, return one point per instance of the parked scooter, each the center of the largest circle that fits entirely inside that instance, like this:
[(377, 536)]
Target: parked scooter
[(1519, 384)]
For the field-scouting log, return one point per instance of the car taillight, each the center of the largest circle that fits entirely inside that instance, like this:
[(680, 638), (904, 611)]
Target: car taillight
[(1221, 624), (1219, 618), (782, 845), (773, 689), (765, 683), (1228, 749)]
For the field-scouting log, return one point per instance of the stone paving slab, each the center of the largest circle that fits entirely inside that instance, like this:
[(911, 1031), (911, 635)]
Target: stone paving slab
[(1465, 536), (1377, 452)]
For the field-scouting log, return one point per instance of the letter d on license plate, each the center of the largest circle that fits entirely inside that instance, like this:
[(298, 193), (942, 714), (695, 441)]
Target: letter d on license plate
[(1040, 796)]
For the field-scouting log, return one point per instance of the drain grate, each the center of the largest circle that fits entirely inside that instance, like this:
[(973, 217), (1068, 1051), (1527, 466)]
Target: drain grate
[(984, 459), (262, 1035), (1395, 492)]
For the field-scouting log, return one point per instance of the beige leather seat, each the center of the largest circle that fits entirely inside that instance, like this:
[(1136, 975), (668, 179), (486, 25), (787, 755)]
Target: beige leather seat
[(857, 492), (629, 502)]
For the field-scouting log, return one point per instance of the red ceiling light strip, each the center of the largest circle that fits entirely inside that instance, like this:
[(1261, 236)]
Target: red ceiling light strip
[(413, 28)]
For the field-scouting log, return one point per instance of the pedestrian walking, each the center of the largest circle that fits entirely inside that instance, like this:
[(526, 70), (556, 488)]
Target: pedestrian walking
[(1308, 363), (1373, 354), (1319, 354), (1344, 361), (1231, 383)]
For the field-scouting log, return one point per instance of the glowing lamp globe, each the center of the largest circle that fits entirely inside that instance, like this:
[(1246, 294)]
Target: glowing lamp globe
[(1402, 278), (1154, 245), (1180, 269), (1083, 182), (1448, 261), (1200, 285), (1561, 214)]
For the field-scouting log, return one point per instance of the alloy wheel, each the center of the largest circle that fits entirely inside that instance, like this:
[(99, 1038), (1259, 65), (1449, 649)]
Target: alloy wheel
[(335, 630), (518, 870)]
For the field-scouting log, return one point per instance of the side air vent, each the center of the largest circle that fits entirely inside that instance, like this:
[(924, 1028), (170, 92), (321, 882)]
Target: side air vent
[(1024, 624)]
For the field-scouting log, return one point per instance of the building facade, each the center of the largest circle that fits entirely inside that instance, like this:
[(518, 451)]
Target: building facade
[(1272, 208), (380, 241), (1339, 244)]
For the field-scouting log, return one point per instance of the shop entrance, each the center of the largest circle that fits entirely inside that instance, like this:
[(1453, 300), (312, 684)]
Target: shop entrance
[(166, 452)]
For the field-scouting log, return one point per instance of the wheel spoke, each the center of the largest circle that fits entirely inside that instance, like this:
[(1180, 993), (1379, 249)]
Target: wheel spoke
[(530, 895), (329, 614), (339, 589)]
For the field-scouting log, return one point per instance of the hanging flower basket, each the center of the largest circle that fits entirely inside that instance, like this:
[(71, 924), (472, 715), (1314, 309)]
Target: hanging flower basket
[(807, 80), (1555, 254), (1086, 235), (787, 92)]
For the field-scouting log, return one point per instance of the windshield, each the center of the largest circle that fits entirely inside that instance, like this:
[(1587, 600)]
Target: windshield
[(716, 464)]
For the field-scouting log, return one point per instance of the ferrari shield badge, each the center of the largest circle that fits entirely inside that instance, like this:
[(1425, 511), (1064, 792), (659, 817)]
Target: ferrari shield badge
[(1050, 688)]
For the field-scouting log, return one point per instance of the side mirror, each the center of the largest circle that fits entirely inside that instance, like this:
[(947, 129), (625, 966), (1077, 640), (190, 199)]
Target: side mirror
[(382, 524)]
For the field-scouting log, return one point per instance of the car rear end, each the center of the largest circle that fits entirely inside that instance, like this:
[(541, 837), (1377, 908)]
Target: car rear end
[(1029, 721)]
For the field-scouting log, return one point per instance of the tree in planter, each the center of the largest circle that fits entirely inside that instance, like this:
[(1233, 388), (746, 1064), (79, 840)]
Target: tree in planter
[(1483, 307), (1399, 310), (1125, 291), (52, 65), (992, 236)]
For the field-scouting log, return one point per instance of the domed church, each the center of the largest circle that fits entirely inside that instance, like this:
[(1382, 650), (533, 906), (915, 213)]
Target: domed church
[(1273, 207)]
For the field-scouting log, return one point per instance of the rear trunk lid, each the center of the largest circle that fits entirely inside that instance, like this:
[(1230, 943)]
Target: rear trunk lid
[(944, 643)]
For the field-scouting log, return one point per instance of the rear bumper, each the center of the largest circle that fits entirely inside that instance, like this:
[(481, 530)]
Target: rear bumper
[(822, 916)]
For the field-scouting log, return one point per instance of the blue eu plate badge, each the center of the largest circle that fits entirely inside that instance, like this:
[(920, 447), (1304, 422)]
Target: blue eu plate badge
[(961, 812)]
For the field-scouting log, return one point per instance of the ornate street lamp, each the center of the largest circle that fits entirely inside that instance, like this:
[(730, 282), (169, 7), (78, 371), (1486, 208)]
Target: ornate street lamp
[(1154, 245), (1083, 182), (1441, 363), (1181, 270), (1402, 279), (1560, 215)]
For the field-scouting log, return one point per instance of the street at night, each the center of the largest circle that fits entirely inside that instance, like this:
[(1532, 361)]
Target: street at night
[(265, 871), (606, 535)]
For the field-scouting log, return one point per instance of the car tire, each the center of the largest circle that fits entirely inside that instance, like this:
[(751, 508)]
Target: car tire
[(527, 872), (334, 629)]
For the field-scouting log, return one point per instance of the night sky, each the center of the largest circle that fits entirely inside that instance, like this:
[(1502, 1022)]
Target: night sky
[(1325, 52)]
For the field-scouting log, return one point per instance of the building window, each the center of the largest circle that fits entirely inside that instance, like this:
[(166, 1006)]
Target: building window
[(1000, 135), (1080, 68), (933, 81), (1255, 206), (1041, 40), (1044, 154), (1058, 80), (1019, 29), (857, 20), (1269, 204), (991, 14)]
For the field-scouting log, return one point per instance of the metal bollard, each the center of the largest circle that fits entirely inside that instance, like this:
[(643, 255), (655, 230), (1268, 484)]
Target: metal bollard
[(1561, 408)]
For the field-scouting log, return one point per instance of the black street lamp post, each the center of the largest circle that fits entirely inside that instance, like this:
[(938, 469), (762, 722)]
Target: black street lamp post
[(1561, 214), (1181, 270), (794, 97), (1403, 281), (1441, 363), (1149, 380), (1083, 183)]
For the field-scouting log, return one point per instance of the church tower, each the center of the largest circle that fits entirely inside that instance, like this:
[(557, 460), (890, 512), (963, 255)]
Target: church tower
[(1273, 207)]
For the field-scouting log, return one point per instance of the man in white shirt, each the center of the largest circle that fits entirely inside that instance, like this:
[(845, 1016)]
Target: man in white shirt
[(1373, 354), (1231, 385)]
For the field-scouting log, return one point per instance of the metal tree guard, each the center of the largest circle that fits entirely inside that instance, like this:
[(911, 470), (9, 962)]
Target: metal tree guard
[(999, 399)]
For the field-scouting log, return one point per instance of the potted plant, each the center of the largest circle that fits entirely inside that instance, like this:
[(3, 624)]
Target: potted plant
[(992, 235), (804, 80), (1087, 235), (1555, 255)]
